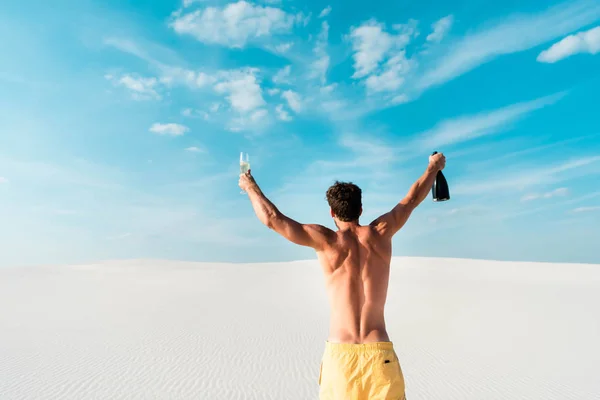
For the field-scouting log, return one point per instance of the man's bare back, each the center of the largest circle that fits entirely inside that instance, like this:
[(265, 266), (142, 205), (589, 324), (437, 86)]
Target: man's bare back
[(356, 265)]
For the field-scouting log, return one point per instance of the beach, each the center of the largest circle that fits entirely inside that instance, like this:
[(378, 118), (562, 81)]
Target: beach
[(157, 329)]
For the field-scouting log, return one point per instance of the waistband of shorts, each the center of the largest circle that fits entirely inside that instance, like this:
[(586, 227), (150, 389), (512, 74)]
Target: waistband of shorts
[(357, 347)]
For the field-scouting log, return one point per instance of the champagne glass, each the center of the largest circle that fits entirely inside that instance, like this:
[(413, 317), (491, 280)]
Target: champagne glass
[(244, 165)]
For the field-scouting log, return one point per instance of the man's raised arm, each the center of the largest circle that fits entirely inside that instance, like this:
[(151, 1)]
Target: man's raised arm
[(310, 235), (391, 222)]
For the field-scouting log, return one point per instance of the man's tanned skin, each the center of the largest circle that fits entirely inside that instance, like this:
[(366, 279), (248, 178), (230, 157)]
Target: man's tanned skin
[(355, 258)]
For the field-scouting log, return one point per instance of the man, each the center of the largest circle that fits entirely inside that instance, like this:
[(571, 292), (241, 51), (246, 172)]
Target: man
[(359, 361)]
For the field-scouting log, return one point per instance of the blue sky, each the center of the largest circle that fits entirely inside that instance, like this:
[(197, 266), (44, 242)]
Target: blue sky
[(121, 124)]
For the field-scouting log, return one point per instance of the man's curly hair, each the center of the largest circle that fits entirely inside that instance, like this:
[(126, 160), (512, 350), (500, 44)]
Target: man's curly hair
[(345, 199)]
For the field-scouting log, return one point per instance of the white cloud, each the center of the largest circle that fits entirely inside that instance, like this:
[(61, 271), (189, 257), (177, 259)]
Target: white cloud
[(195, 149), (524, 178), (128, 46), (214, 107), (368, 153), (284, 47), (585, 209), (168, 129), (582, 42), (326, 11), (273, 92), (379, 56), (234, 25), (191, 113), (371, 44), (3, 180), (302, 19), (575, 163), (321, 65), (547, 195), (282, 114), (390, 78), (328, 89), (368, 149), (400, 99), (282, 76), (514, 34), (367, 159), (188, 3), (139, 88), (258, 115), (120, 236), (293, 100), (248, 121), (193, 79), (333, 106), (155, 54), (440, 29), (140, 85), (243, 90), (203, 79), (466, 128)]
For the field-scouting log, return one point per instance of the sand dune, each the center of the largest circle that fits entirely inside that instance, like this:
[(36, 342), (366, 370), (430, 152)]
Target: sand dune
[(463, 329)]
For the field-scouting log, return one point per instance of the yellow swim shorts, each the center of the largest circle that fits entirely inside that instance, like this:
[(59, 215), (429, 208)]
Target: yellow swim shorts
[(366, 371)]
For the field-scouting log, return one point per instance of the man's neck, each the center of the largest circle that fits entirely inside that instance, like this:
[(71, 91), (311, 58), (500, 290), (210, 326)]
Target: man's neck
[(345, 226)]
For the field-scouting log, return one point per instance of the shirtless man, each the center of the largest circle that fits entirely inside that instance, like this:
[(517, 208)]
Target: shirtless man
[(359, 361)]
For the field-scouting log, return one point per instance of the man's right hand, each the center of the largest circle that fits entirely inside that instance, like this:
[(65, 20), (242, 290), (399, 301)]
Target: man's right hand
[(247, 181), (437, 161)]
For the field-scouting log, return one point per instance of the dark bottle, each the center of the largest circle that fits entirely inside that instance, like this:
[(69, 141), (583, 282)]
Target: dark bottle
[(439, 190)]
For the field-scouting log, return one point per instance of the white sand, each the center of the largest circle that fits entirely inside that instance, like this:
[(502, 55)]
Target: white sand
[(463, 330)]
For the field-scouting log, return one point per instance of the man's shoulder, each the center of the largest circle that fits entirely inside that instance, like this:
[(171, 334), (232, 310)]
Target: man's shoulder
[(374, 237), (323, 237), (370, 230), (323, 231), (319, 228)]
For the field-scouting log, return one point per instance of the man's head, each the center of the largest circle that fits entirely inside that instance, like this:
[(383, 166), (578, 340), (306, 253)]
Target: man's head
[(345, 200)]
